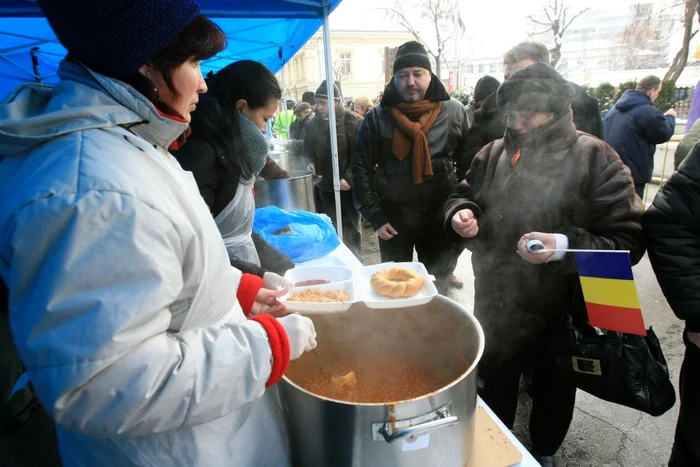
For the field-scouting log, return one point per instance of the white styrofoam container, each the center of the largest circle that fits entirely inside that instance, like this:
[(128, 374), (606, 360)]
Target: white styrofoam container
[(356, 283)]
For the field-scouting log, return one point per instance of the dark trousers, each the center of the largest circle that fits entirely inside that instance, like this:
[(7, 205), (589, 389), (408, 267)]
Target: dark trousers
[(352, 233), (686, 445), (553, 397), (10, 370), (318, 204), (435, 250), (639, 188)]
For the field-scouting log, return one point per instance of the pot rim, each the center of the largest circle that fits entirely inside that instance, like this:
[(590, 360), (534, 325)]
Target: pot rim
[(472, 367), (305, 174)]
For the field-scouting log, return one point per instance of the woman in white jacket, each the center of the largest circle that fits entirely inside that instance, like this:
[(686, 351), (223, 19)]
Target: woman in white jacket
[(126, 313)]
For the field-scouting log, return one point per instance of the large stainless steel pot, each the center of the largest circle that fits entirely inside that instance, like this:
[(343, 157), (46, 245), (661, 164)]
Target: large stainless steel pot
[(435, 429), (290, 194)]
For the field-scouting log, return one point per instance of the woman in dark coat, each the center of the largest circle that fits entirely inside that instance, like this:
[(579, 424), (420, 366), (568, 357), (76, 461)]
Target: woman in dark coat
[(545, 181), (225, 152)]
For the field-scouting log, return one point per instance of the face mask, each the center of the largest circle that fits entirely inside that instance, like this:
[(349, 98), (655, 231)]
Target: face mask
[(257, 144)]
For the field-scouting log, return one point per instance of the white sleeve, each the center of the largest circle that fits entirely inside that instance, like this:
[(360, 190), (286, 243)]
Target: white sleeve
[(561, 243), (92, 277)]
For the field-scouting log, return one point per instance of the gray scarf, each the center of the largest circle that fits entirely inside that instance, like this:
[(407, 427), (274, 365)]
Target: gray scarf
[(257, 144)]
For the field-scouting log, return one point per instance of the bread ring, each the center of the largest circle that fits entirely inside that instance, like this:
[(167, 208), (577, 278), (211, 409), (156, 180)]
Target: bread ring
[(396, 282)]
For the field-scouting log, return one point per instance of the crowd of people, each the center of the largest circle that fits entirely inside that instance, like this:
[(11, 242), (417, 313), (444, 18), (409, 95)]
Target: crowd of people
[(127, 210)]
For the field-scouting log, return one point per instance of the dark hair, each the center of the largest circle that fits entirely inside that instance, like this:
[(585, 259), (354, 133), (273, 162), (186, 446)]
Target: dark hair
[(648, 83), (527, 51), (216, 119), (200, 39)]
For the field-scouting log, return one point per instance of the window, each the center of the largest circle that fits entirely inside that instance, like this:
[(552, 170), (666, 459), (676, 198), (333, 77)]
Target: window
[(345, 63), (493, 67), (470, 69), (482, 68)]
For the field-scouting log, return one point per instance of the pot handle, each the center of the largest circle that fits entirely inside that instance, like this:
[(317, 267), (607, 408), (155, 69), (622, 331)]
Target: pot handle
[(440, 418)]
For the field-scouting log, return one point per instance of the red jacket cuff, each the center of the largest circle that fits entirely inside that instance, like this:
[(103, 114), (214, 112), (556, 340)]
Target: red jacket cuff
[(248, 289), (279, 344)]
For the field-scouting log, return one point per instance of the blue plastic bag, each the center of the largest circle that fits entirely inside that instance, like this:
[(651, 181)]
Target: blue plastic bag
[(301, 235)]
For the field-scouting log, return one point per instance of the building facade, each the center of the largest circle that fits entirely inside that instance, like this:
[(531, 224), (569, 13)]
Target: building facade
[(358, 59)]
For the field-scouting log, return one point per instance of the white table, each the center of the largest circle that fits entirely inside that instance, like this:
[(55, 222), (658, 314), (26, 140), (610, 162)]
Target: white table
[(342, 256)]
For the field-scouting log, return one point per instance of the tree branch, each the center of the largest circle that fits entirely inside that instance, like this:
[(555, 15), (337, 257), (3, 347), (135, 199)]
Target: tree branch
[(566, 26), (401, 17), (542, 23)]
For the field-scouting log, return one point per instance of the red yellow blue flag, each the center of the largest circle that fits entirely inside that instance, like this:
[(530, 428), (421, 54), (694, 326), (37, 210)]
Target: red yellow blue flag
[(608, 289)]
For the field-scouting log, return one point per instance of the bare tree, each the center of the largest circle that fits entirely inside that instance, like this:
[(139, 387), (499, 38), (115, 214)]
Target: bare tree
[(644, 43), (692, 8), (558, 20), (339, 74), (443, 17)]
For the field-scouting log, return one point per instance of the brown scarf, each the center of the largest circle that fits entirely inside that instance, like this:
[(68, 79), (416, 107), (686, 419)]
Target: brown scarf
[(410, 135)]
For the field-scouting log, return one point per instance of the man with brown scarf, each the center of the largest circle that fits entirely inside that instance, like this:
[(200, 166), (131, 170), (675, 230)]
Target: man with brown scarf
[(403, 166)]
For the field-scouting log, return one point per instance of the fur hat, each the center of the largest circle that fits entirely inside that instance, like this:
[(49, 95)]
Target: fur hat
[(118, 37), (537, 88), (412, 54)]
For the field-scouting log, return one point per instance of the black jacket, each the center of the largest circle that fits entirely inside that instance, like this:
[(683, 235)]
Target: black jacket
[(217, 184), (633, 127), (586, 112), (383, 187), (488, 126), (317, 145), (564, 182), (672, 233), (297, 130)]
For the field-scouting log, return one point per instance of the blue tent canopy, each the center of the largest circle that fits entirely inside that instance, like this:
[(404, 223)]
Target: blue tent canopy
[(268, 31)]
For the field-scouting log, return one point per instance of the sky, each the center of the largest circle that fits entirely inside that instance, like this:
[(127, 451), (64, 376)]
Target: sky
[(493, 26)]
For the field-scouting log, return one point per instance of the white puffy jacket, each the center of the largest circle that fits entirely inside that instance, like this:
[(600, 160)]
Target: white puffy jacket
[(122, 299)]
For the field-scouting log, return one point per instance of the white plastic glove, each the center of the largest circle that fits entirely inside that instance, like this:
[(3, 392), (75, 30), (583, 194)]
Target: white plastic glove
[(311, 168), (275, 281), (300, 333)]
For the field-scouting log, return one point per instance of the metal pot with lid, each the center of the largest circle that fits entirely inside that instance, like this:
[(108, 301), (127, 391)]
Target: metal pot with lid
[(415, 399)]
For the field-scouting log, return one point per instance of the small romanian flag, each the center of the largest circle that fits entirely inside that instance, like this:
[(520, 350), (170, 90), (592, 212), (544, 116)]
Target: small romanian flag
[(609, 291)]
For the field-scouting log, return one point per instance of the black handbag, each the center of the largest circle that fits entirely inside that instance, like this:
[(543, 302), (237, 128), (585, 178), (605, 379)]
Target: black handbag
[(625, 369)]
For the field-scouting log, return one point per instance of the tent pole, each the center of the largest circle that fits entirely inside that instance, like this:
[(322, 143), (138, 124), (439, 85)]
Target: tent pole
[(284, 90), (332, 121)]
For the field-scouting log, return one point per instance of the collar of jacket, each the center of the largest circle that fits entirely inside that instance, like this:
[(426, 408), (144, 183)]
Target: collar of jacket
[(436, 92), (557, 134), (148, 122)]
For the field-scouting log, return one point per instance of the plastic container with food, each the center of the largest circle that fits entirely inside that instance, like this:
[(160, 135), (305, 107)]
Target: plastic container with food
[(332, 289)]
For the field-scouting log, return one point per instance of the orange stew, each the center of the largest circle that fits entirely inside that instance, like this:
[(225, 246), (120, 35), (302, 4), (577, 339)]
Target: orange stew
[(376, 381)]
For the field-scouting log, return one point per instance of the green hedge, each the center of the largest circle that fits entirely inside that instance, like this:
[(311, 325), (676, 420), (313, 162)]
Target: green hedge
[(607, 94)]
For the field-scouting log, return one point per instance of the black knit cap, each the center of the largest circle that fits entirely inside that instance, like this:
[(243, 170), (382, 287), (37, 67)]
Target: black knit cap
[(537, 88), (322, 91), (117, 37), (309, 97), (486, 86), (412, 54)]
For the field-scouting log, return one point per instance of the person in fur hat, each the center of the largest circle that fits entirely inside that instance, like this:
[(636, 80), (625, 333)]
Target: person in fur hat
[(545, 181)]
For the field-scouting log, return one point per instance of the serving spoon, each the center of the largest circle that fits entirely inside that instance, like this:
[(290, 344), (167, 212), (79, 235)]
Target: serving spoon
[(339, 383)]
